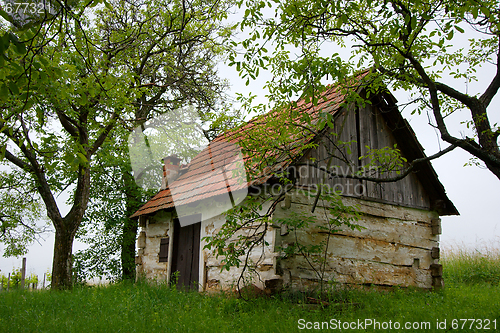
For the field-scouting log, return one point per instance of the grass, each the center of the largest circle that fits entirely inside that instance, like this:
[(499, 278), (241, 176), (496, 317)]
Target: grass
[(478, 265), (472, 291)]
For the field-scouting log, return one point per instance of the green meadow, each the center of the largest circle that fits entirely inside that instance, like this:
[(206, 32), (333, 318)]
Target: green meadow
[(470, 302)]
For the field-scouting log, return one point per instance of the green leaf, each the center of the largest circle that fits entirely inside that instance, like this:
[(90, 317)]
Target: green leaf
[(82, 159), (344, 18), (3, 149), (39, 115), (3, 47), (83, 99), (5, 40), (29, 104), (14, 88), (474, 11), (413, 22), (485, 11), (20, 47), (44, 61)]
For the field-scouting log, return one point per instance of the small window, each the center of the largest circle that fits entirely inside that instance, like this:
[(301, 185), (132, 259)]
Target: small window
[(163, 255)]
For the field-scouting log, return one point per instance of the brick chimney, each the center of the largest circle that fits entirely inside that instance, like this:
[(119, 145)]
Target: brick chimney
[(171, 166)]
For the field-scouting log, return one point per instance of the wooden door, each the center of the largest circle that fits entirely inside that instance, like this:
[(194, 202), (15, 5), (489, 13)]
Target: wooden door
[(186, 255)]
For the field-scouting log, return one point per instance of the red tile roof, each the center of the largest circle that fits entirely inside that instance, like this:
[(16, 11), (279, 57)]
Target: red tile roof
[(205, 176)]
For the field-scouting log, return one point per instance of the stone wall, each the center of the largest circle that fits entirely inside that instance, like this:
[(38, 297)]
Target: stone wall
[(395, 246), (153, 230)]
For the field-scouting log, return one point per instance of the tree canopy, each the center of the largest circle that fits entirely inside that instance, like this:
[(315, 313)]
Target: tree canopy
[(174, 60), (66, 84)]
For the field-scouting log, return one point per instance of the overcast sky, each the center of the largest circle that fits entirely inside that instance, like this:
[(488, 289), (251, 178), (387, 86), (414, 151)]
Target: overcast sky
[(474, 191)]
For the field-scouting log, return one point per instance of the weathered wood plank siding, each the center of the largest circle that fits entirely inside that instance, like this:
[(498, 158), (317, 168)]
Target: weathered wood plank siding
[(344, 131), (376, 134), (394, 247), (359, 130)]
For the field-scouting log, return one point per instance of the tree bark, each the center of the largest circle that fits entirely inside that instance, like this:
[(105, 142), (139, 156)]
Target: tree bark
[(129, 234), (62, 267), (494, 169), (129, 231), (487, 140)]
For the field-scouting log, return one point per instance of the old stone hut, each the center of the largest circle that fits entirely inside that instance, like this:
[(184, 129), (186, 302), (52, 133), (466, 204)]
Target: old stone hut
[(397, 245)]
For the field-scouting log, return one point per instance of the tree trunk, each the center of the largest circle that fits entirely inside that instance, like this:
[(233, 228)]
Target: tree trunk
[(487, 140), (129, 231), (129, 234), (62, 267)]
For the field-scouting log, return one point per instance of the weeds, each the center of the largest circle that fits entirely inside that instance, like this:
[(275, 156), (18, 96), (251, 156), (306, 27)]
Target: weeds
[(155, 307), (480, 264)]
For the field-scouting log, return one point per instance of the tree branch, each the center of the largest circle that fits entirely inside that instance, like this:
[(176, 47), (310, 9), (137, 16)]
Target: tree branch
[(492, 89), (17, 161), (100, 140), (467, 100), (67, 123), (382, 180)]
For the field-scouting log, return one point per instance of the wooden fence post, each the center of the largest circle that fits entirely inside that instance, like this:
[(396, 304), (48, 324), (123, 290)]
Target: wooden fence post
[(43, 286), (8, 282), (23, 273)]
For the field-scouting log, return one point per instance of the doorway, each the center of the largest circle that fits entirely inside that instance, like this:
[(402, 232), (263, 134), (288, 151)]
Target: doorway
[(186, 255)]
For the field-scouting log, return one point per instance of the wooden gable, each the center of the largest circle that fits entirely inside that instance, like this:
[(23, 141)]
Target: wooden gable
[(375, 126)]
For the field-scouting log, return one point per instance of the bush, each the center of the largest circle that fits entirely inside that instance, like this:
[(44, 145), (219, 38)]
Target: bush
[(15, 279)]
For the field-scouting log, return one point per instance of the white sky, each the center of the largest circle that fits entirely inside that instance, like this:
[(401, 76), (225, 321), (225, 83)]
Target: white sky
[(474, 191)]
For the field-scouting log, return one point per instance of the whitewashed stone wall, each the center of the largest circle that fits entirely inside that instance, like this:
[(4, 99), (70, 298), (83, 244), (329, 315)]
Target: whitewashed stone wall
[(396, 246), (148, 265), (211, 278)]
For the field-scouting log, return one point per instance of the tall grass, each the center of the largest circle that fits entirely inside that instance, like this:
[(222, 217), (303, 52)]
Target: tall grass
[(141, 307), (471, 291), (472, 265), (155, 308)]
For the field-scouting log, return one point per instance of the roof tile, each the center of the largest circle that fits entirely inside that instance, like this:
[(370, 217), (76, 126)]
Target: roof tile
[(205, 177)]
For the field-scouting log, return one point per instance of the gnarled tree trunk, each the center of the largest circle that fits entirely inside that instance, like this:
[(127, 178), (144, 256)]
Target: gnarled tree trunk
[(62, 267)]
